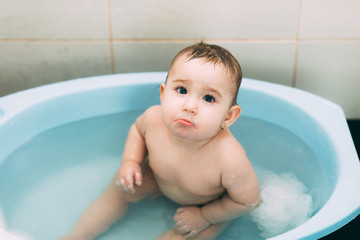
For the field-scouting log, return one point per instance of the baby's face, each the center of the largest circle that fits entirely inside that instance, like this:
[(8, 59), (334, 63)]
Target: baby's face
[(196, 99)]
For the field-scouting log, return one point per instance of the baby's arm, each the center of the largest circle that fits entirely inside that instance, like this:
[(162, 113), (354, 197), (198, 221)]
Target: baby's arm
[(242, 193), (135, 152)]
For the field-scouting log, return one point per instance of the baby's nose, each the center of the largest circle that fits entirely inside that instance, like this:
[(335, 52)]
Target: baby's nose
[(190, 107)]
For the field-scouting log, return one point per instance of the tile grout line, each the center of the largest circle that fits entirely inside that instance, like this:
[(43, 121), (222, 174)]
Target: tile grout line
[(179, 40), (296, 54), (111, 39), (192, 40)]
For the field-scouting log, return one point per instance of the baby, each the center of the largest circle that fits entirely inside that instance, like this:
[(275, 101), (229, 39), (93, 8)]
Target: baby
[(184, 150)]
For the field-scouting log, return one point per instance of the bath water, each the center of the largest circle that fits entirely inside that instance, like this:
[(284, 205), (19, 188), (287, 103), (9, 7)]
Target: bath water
[(48, 182)]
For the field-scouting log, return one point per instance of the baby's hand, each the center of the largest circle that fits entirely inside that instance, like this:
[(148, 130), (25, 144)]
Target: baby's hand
[(189, 221), (128, 175)]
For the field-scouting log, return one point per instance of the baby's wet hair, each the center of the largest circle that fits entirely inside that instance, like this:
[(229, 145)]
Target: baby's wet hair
[(218, 56)]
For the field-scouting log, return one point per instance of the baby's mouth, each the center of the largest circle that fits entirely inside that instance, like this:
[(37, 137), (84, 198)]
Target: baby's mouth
[(185, 122)]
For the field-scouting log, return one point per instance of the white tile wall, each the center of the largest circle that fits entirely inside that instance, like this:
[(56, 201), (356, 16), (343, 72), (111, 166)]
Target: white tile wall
[(272, 61), (310, 44), (322, 19), (205, 19), (28, 64), (145, 56), (64, 19), (336, 74)]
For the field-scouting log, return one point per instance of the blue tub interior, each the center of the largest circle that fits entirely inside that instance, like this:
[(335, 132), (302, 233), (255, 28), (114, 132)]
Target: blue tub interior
[(58, 154)]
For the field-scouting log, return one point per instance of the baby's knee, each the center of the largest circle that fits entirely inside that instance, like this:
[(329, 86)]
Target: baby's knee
[(138, 195), (131, 197)]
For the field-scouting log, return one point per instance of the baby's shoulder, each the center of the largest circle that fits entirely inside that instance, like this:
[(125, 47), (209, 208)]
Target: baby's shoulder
[(150, 117), (152, 114), (231, 152), (153, 110)]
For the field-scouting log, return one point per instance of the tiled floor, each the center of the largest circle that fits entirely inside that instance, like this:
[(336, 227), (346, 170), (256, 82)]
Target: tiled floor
[(351, 230)]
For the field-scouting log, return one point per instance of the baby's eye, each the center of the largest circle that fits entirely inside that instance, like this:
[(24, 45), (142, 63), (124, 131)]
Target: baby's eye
[(181, 90), (209, 98)]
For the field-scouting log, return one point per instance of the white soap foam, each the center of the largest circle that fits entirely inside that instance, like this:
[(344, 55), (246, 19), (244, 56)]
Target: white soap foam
[(285, 203)]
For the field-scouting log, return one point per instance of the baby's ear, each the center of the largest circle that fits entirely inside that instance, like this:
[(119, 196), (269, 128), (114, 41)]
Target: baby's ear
[(162, 89), (232, 115)]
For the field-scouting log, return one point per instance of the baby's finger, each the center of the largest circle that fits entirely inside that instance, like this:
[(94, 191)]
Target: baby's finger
[(117, 182), (176, 218), (190, 234), (138, 178), (125, 185), (184, 229), (180, 210), (121, 184), (179, 222), (130, 184)]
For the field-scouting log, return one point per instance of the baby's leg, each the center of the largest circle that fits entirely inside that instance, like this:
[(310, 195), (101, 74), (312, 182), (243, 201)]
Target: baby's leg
[(111, 205), (208, 233)]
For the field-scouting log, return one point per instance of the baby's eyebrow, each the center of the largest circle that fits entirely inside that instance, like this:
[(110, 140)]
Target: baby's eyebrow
[(181, 81), (213, 90)]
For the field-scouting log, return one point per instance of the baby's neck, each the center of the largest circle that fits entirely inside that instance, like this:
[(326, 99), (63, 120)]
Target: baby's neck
[(191, 146)]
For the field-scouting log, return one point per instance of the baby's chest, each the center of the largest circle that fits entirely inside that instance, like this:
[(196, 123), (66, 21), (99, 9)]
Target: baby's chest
[(191, 173), (188, 170)]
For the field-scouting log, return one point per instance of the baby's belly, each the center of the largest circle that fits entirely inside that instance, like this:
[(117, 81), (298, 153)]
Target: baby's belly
[(184, 198)]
